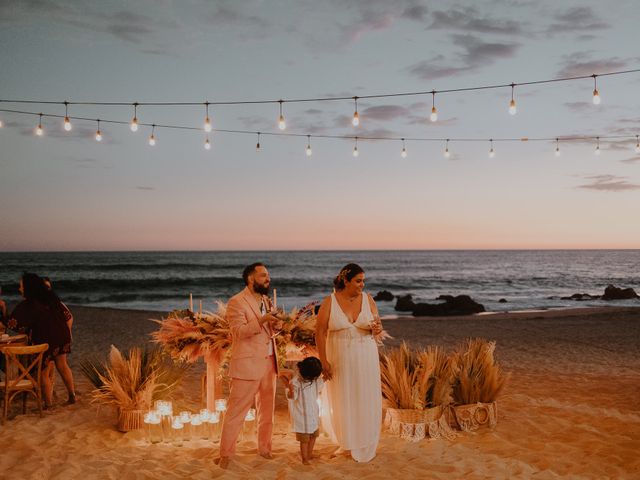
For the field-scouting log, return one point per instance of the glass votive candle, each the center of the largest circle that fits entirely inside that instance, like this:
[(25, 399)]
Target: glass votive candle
[(154, 430), (205, 414), (164, 407), (196, 426), (185, 419), (176, 432), (214, 426), (221, 405)]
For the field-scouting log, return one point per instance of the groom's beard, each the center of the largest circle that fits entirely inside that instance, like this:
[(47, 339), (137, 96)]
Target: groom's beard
[(261, 289)]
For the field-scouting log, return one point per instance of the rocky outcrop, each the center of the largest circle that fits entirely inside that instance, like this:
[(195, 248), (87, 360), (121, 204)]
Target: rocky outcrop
[(581, 297), (384, 296), (405, 303), (502, 300), (615, 293), (459, 305)]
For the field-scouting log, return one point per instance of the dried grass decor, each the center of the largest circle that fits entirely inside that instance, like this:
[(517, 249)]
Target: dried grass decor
[(478, 377), (133, 381), (186, 336)]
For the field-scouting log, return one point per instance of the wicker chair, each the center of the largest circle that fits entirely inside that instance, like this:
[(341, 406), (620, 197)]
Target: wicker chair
[(23, 374)]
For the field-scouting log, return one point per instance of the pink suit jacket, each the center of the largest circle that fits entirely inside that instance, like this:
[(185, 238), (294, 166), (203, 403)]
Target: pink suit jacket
[(249, 341)]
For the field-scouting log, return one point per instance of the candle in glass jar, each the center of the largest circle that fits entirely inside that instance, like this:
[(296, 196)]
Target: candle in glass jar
[(191, 302), (275, 298)]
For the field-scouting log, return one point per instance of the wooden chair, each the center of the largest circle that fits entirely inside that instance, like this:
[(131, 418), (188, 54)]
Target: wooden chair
[(23, 374)]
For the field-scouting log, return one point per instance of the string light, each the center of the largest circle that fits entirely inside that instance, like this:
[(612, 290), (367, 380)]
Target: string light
[(134, 120), (98, 133), (207, 120), (557, 148), (39, 130), (207, 143), (1, 123), (597, 150), (309, 152), (446, 149), (596, 94), (281, 123), (434, 112), (152, 138), (258, 144), (356, 118), (67, 122), (637, 144), (403, 153), (355, 148), (512, 103), (492, 152)]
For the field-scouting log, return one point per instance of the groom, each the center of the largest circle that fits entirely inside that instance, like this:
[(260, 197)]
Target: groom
[(253, 365)]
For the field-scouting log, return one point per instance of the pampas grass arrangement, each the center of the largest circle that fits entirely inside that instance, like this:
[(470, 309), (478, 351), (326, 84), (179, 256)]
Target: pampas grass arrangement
[(478, 377)]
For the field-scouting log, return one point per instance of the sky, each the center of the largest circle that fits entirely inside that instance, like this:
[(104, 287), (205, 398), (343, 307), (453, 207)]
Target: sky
[(65, 191)]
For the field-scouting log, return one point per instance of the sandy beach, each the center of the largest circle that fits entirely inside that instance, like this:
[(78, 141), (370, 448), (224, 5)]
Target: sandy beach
[(570, 410)]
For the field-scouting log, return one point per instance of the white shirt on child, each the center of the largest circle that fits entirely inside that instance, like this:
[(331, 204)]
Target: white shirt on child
[(303, 407)]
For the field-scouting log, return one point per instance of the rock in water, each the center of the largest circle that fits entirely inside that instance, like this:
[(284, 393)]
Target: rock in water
[(460, 305), (615, 293), (405, 304), (384, 296)]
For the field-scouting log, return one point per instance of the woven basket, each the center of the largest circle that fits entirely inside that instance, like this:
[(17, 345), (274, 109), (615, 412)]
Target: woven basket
[(396, 416), (475, 415), (129, 420)]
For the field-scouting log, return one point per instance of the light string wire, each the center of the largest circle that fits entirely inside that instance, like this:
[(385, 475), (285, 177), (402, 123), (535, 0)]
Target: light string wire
[(564, 138), (329, 99)]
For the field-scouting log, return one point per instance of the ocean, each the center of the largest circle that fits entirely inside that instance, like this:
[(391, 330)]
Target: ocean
[(527, 279)]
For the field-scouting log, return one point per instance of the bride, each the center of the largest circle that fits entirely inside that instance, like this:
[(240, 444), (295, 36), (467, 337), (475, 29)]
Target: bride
[(352, 399)]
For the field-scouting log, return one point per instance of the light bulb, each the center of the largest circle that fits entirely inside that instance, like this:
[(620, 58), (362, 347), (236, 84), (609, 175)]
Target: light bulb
[(356, 119), (98, 136), (207, 144), (447, 154), (492, 153), (258, 147), (434, 114), (637, 147), (67, 124), (1, 124), (207, 124), (281, 123), (39, 130), (152, 140), (596, 97), (355, 151), (403, 153), (557, 151), (309, 152), (512, 107), (597, 150), (134, 124)]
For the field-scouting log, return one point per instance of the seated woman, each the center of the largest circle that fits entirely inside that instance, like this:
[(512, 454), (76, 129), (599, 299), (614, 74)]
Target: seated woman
[(44, 317)]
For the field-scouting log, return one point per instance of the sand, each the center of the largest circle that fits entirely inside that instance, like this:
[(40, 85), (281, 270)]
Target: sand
[(571, 410)]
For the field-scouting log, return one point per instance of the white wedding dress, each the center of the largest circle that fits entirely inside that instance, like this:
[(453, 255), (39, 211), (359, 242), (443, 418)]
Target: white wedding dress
[(352, 400)]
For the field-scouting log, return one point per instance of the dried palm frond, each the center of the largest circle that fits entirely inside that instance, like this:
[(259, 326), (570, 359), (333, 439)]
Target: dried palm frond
[(478, 377), (403, 384), (134, 380), (442, 377)]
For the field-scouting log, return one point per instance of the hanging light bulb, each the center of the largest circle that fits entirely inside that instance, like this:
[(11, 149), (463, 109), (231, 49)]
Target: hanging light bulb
[(308, 150), (67, 122), (403, 153), (207, 120), (356, 118), (597, 150), (512, 104), (281, 123), (447, 154), (434, 112), (39, 130), (152, 138), (596, 94), (98, 133), (355, 148), (134, 121), (258, 144), (207, 143), (1, 123), (557, 152), (492, 152), (637, 144)]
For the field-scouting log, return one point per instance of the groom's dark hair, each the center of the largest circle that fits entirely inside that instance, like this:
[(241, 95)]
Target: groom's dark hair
[(249, 269)]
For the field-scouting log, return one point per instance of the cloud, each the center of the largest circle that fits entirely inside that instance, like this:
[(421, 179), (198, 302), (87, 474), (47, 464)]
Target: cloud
[(140, 187), (476, 53), (608, 183), (579, 107), (574, 67), (384, 112), (576, 19), (469, 20), (635, 159)]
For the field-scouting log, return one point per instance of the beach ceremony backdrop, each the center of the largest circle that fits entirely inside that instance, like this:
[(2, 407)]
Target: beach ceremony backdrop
[(150, 150)]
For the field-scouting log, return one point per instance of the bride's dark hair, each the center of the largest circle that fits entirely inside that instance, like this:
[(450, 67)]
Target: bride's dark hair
[(346, 274)]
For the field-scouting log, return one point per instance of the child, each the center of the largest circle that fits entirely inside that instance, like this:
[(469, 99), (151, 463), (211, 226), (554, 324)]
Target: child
[(302, 391)]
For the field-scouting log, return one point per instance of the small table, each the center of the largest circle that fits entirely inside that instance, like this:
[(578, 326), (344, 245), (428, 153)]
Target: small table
[(14, 340)]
